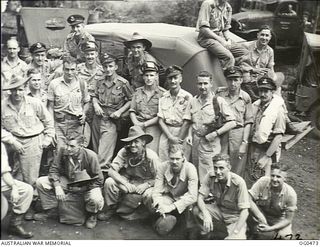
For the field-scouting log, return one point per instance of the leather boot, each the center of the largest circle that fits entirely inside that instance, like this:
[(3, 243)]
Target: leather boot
[(16, 228), (91, 222)]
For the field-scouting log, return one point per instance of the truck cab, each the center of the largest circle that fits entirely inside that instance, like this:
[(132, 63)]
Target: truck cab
[(283, 16)]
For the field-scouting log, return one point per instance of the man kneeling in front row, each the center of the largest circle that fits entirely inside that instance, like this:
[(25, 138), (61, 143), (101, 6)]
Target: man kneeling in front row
[(223, 201)]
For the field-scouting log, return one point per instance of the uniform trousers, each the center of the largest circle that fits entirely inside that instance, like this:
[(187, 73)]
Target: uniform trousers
[(93, 198), (25, 196), (66, 128), (155, 132)]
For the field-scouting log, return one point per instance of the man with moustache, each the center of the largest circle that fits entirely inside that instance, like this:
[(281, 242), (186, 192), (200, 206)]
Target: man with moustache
[(31, 126), (172, 107), (12, 64), (206, 130), (90, 71), (273, 203), (131, 176), (70, 160), (68, 102), (145, 102), (223, 201), (175, 190), (240, 104), (269, 125), (110, 102), (138, 54), (76, 38), (48, 69)]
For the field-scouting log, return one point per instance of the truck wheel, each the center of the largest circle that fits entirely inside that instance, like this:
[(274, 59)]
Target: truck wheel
[(315, 120)]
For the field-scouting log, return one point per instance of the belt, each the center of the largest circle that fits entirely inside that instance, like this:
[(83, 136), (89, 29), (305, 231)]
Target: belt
[(26, 137), (174, 125), (66, 116), (238, 127)]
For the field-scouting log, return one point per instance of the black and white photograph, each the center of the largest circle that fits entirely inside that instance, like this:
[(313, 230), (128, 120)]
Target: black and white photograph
[(160, 120)]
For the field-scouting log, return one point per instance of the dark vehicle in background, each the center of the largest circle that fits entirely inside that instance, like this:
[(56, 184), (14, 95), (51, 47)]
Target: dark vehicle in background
[(305, 96), (287, 26)]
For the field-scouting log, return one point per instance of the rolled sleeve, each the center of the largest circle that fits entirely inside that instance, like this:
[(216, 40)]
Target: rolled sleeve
[(280, 124), (204, 15), (258, 187), (291, 203), (133, 105), (85, 94), (160, 112), (128, 91), (187, 114), (243, 196), (205, 186), (119, 161)]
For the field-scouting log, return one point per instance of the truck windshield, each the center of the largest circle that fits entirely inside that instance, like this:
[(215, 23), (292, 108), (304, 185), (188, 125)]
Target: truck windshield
[(269, 5)]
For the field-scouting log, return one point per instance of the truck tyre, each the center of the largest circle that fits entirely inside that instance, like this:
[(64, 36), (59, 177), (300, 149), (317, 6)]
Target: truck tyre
[(315, 120)]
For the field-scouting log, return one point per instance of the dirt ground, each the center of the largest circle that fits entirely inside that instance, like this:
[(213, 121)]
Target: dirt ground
[(303, 159)]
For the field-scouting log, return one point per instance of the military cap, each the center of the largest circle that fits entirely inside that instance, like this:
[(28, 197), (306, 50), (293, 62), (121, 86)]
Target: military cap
[(108, 58), (150, 66), (136, 37), (75, 19), (266, 83), (38, 47), (233, 71), (15, 82), (89, 46), (173, 70)]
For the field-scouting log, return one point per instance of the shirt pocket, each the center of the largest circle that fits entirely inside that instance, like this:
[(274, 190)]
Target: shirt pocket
[(117, 96), (9, 121)]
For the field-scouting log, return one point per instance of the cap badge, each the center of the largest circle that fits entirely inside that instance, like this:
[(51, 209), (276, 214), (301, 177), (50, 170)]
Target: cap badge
[(38, 45)]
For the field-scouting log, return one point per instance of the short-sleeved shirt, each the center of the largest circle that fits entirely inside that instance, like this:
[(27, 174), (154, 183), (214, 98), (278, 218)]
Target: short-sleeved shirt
[(43, 96), (18, 69), (49, 71), (241, 107), (114, 94), (273, 206), (255, 58), (143, 171), (184, 191), (217, 18), (144, 107), (172, 110), (65, 165), (68, 97), (133, 68), (279, 126), (72, 45), (90, 77), (32, 119), (202, 114), (233, 198)]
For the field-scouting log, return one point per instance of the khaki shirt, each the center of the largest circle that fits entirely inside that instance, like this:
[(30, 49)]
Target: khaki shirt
[(32, 119), (241, 107), (112, 95), (89, 77), (146, 108), (49, 71), (172, 111), (184, 191), (255, 58), (72, 47), (217, 18), (43, 97), (18, 69), (285, 202), (145, 171), (4, 163), (233, 198), (68, 97)]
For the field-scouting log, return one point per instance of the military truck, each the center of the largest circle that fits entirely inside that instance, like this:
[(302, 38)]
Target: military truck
[(283, 16)]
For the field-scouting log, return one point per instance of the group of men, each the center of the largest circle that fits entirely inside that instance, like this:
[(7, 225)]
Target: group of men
[(185, 157)]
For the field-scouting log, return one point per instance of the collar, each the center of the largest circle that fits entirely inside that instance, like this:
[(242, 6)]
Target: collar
[(110, 83), (6, 60), (24, 101), (208, 100), (255, 47), (182, 176), (228, 180), (283, 190)]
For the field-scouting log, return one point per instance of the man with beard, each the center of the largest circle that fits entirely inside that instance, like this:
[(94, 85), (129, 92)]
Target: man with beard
[(223, 201), (68, 102), (273, 203), (110, 102), (138, 55), (175, 190), (76, 38), (131, 175), (172, 107), (269, 125), (12, 64), (206, 127), (31, 126), (70, 160), (240, 104), (145, 102), (90, 71), (49, 69)]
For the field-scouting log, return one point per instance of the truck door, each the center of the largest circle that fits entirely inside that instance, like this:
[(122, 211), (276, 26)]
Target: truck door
[(287, 25)]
